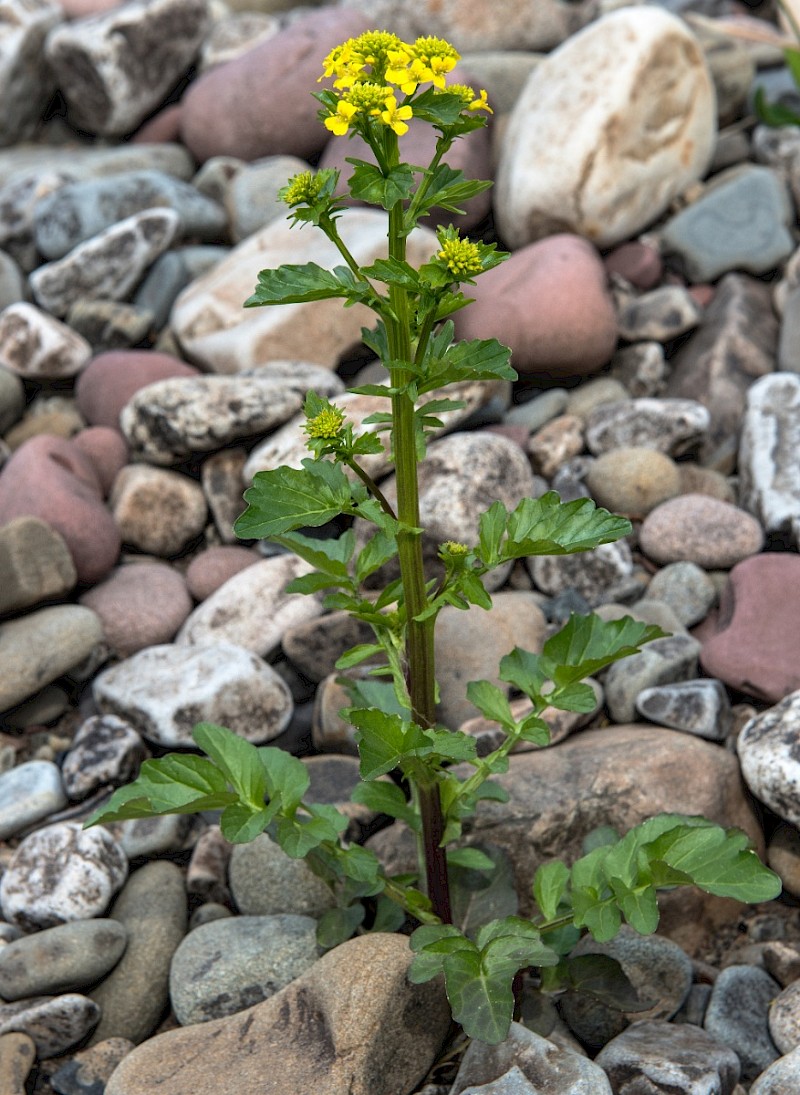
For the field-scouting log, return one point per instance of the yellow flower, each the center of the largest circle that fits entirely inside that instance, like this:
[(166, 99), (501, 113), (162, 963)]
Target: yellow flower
[(327, 424), (481, 103), (368, 98), (339, 123), (302, 189), (452, 547), (395, 117), (462, 258), (467, 96), (437, 58)]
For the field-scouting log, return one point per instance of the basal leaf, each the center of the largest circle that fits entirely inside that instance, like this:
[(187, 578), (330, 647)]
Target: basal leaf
[(389, 917), (360, 864), (285, 499), (478, 896)]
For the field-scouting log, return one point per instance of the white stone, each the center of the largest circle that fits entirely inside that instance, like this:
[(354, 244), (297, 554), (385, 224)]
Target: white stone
[(53, 1022), (62, 873), (252, 609), (35, 345), (217, 334), (156, 510), (610, 128), (25, 83), (115, 68), (28, 793), (108, 266), (164, 691), (769, 472), (770, 760)]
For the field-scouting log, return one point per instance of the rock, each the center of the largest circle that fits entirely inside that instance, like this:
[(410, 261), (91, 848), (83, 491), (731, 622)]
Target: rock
[(740, 223), (752, 643), (609, 154), (91, 160), (12, 399), (293, 1042), (637, 263), (228, 965), (109, 325), (699, 707), (222, 475), (469, 646), (783, 857), (37, 648), (89, 1070), (61, 959), (655, 1054), (50, 478), (37, 346), (25, 81), (207, 873), (61, 873), (116, 68), (157, 511), (281, 70), (213, 567), (314, 646), (152, 909), (590, 573), (593, 393), (555, 443), (782, 960), (662, 314), (699, 480), (548, 1067), (662, 661), (12, 281), (512, 1082), (573, 329), (35, 564), (641, 368), (17, 1056), (29, 792), (168, 421), (252, 196), (139, 606), (767, 748), (107, 451), (264, 881), (164, 691), (109, 265), (234, 34), (148, 837), (77, 211), (537, 412), (633, 481), (170, 274), (769, 482), (112, 379), (53, 1022), (215, 332), (105, 751), (780, 1077), (737, 1016), (252, 609), (670, 426), (502, 26), (735, 345), (686, 588), (53, 416), (659, 971), (698, 529), (784, 1020)]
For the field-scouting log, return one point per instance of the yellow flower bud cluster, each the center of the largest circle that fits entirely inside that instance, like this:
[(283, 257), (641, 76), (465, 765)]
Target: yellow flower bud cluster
[(471, 102), (453, 547), (327, 424), (462, 258), (302, 189)]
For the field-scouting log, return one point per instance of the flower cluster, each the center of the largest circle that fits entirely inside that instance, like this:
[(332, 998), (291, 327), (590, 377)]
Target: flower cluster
[(327, 424), (461, 257), (372, 70), (302, 189)]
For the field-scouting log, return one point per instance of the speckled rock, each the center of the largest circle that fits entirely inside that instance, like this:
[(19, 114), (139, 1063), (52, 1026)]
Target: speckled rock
[(590, 573), (105, 751), (25, 81), (116, 69), (657, 1055), (686, 588), (737, 1016), (17, 1056), (164, 691), (572, 141), (228, 965), (633, 481), (61, 873), (357, 996), (221, 476), (780, 1077), (769, 480), (156, 510), (662, 661), (555, 443), (61, 959), (265, 881), (152, 909), (109, 265), (88, 1071), (671, 426), (35, 564), (699, 707), (767, 748), (662, 314), (642, 368), (698, 529), (38, 346), (252, 609), (139, 606), (784, 1018), (53, 1022), (29, 792)]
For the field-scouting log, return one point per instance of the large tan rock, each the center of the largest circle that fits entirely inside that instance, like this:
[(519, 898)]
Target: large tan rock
[(351, 1025), (610, 127)]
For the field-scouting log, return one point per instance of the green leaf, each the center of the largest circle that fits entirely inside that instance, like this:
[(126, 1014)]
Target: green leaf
[(534, 730), (481, 999), (523, 670), (378, 550), (449, 189), (384, 740), (299, 284), (432, 943), (360, 864), (492, 527), (287, 777), (330, 556), (299, 836), (473, 589), (602, 977), (548, 526), (241, 823), (478, 897), (587, 644), (393, 271), (389, 917), (773, 114), (237, 759), (450, 745), (338, 925), (368, 184), (549, 886), (285, 499), (440, 108), (492, 702), (386, 798), (479, 359), (357, 654), (639, 906), (574, 697), (471, 858), (175, 784)]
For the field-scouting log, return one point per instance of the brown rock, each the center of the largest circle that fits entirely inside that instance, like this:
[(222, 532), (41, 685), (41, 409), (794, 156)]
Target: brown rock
[(35, 564), (139, 605), (157, 511), (699, 529), (214, 566), (17, 1055), (221, 477), (555, 443), (351, 1025)]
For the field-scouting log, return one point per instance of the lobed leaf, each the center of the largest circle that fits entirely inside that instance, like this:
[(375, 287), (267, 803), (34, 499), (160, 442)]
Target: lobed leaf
[(285, 499)]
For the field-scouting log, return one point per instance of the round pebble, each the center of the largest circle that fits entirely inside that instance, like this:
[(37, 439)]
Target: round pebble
[(698, 529), (139, 606), (265, 881), (213, 567), (633, 481)]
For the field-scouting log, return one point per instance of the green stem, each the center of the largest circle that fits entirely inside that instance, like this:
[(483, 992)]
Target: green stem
[(442, 146), (372, 487)]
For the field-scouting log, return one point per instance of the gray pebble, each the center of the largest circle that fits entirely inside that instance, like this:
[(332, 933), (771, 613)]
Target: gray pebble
[(53, 1022), (61, 959), (686, 588), (660, 662), (737, 1015), (699, 707), (28, 793), (265, 881)]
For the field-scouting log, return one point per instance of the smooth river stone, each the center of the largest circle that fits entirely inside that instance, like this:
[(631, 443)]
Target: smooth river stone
[(769, 472), (29, 792), (60, 959)]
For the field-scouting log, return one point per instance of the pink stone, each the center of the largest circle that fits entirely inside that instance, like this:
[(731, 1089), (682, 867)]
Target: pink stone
[(79, 9), (756, 647), (111, 379), (702, 294), (549, 302), (637, 263), (260, 103), (108, 451), (697, 528), (214, 566), (140, 605), (164, 126), (51, 478)]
